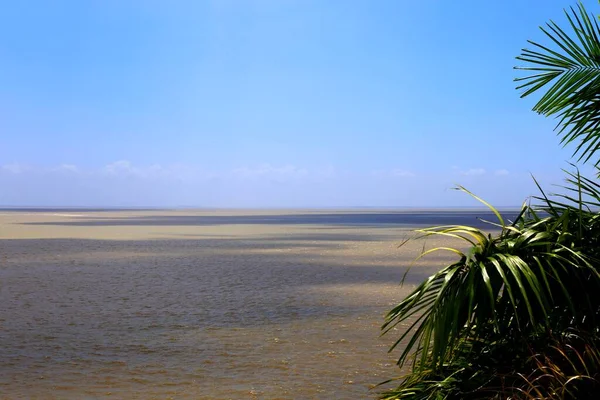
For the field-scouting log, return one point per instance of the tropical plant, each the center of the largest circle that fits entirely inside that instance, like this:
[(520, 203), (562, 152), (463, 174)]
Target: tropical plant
[(482, 326), (474, 323), (569, 71), (569, 368)]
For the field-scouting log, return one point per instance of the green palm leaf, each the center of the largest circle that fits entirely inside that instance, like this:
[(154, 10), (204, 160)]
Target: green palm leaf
[(569, 71), (471, 323), (534, 276)]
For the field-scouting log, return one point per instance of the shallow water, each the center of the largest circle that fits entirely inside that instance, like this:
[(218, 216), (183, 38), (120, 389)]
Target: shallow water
[(158, 304)]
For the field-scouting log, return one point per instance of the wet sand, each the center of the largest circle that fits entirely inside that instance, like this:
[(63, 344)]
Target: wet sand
[(201, 304)]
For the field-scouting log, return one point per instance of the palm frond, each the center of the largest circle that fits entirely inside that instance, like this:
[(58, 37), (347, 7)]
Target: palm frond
[(535, 276), (569, 72)]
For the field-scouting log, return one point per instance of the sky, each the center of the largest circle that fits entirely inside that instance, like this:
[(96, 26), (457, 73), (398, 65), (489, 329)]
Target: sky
[(271, 103)]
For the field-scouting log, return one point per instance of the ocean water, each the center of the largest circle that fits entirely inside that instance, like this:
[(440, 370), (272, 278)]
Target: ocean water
[(203, 304)]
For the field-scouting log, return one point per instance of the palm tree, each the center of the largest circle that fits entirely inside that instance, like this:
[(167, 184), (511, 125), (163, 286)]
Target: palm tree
[(475, 325), (569, 72)]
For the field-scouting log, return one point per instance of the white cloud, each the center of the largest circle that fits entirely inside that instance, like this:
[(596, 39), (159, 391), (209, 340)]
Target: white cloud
[(395, 172), (15, 168), (66, 168), (267, 170), (501, 172), (125, 183), (126, 168), (474, 172), (122, 169), (327, 172), (119, 168)]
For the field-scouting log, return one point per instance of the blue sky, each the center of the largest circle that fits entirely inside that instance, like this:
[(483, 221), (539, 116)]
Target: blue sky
[(270, 103)]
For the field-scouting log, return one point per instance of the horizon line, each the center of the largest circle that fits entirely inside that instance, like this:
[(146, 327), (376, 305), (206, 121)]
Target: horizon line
[(166, 208)]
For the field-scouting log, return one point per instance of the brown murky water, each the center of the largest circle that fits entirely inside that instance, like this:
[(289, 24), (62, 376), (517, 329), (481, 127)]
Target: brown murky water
[(169, 304)]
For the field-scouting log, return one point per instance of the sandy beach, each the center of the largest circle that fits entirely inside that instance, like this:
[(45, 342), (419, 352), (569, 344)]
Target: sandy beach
[(200, 304)]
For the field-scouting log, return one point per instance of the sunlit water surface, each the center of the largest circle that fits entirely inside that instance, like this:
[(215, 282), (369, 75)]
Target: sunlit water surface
[(200, 305)]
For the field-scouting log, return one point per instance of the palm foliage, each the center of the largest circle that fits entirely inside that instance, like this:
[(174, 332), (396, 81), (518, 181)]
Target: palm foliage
[(569, 71), (508, 292), (503, 320), (505, 283), (570, 368)]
